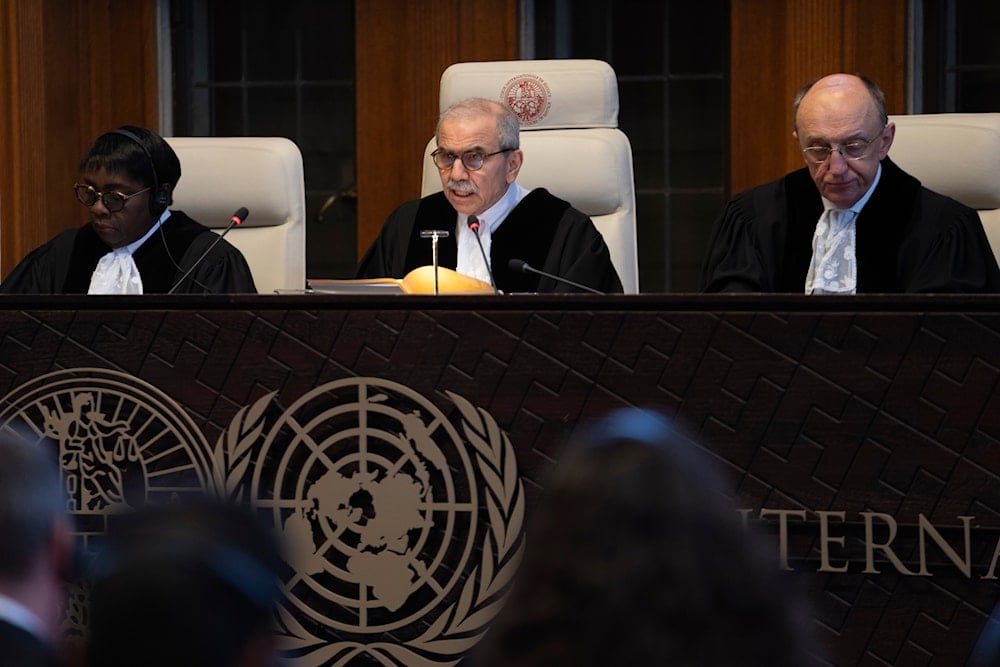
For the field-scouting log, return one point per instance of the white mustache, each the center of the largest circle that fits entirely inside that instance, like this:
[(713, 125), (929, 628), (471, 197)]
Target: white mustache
[(463, 187)]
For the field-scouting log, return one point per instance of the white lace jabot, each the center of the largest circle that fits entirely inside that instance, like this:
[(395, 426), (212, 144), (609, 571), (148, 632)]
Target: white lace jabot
[(116, 272), (834, 265)]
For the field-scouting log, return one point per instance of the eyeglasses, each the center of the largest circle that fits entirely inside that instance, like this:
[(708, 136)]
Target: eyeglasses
[(471, 160), (854, 150), (113, 201)]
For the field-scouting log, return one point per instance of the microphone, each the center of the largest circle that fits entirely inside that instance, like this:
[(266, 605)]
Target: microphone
[(473, 223), (241, 214), (521, 266)]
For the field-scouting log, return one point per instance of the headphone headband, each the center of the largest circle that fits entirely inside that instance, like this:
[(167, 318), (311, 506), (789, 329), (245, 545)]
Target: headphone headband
[(160, 201)]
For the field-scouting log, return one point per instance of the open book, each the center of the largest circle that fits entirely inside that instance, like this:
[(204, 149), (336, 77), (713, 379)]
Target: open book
[(418, 281)]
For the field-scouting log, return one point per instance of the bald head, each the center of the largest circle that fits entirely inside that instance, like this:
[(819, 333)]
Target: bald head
[(863, 93), (836, 111)]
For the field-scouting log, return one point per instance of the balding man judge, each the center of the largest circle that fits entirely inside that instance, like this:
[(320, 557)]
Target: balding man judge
[(851, 221)]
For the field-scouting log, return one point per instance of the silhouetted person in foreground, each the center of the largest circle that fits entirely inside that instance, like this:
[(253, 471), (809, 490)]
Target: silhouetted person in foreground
[(635, 557), (35, 552), (986, 652), (190, 584)]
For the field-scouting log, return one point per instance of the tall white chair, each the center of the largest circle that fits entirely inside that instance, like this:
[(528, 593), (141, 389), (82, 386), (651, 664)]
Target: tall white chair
[(264, 174), (570, 138), (958, 155)]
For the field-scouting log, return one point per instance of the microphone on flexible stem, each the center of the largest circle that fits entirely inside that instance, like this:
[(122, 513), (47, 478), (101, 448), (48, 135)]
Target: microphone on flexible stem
[(473, 223), (521, 266), (241, 214)]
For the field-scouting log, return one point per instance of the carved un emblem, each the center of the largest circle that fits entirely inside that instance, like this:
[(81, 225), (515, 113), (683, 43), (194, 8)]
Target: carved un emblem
[(528, 96), (402, 525)]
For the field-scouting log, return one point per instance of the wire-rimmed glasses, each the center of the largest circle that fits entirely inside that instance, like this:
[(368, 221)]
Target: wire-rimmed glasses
[(113, 201), (852, 150), (471, 160)]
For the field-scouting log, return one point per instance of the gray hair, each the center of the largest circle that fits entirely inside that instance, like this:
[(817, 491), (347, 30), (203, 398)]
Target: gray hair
[(878, 97), (508, 126), (31, 499)]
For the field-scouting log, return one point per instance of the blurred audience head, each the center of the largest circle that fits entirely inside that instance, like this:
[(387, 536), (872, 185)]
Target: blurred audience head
[(986, 651), (635, 556), (36, 547), (192, 583)]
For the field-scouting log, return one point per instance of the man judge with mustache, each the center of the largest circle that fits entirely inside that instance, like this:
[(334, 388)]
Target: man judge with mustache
[(479, 157)]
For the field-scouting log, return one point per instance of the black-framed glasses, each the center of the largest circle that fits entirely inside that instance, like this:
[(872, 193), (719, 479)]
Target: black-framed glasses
[(471, 160), (853, 150), (113, 201)]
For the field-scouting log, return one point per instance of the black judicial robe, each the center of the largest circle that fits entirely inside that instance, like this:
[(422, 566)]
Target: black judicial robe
[(909, 239), (543, 230), (65, 264)]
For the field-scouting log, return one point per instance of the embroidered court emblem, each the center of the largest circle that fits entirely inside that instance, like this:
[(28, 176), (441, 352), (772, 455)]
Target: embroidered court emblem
[(528, 96)]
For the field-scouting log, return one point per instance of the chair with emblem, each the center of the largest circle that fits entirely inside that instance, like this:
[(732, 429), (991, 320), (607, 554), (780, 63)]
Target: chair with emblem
[(958, 155), (570, 137), (264, 174)]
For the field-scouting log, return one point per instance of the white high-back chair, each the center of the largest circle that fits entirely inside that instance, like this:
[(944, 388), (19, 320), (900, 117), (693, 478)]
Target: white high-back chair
[(958, 155), (264, 174), (570, 138)]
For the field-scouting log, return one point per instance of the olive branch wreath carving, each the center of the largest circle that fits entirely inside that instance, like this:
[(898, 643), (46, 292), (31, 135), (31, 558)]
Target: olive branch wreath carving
[(231, 457), (463, 623)]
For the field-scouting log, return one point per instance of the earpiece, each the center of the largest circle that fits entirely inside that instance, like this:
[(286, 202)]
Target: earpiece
[(159, 202)]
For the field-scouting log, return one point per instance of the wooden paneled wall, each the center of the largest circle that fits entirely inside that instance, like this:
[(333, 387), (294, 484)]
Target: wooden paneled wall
[(69, 71), (402, 49), (780, 45)]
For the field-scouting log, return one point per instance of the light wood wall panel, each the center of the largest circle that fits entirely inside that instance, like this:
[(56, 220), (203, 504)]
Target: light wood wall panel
[(69, 70), (402, 48), (779, 45)]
